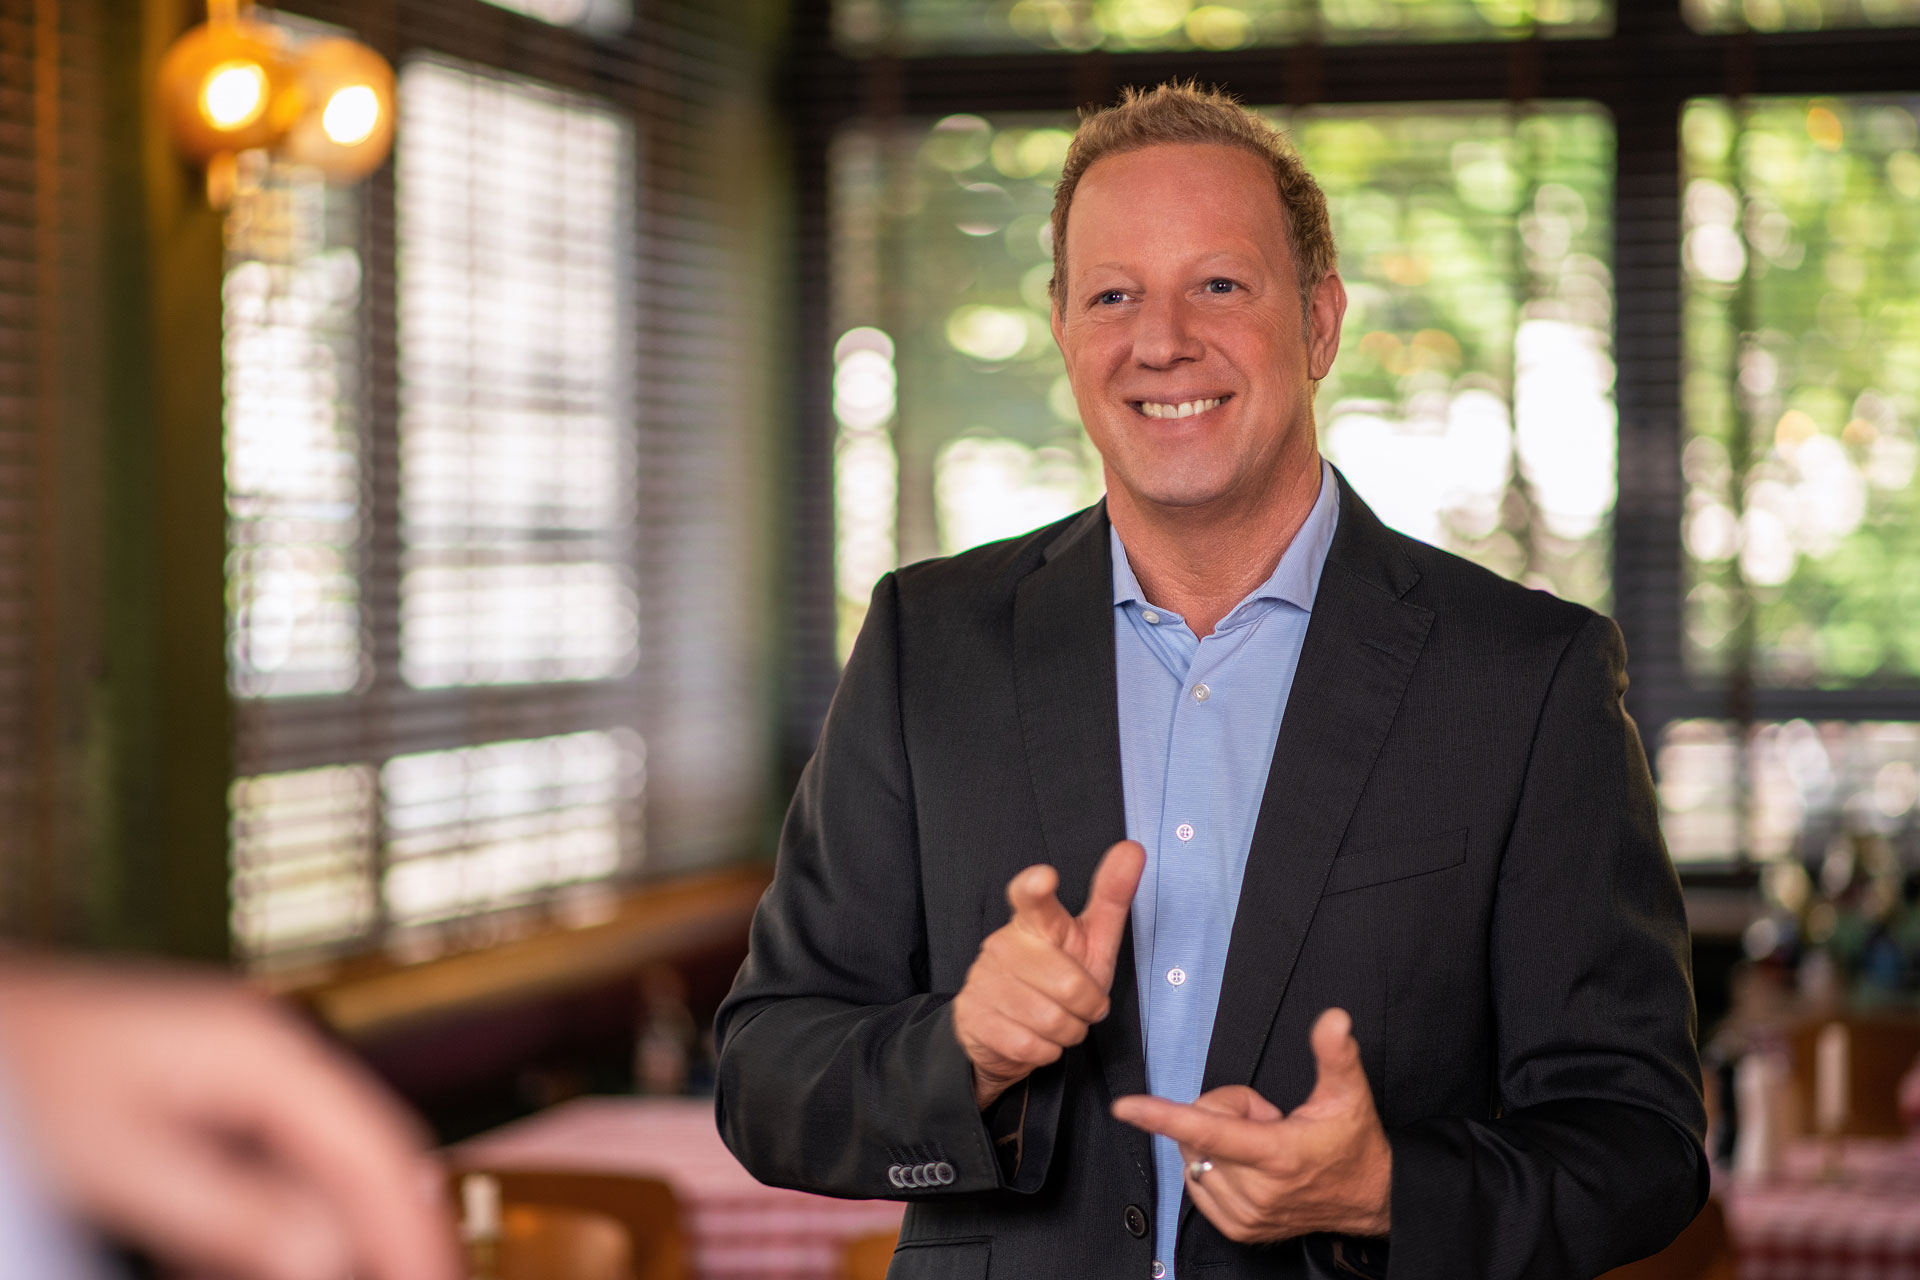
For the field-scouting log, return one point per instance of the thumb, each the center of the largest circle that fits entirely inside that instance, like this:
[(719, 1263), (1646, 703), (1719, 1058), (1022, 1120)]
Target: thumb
[(1341, 1080), (1103, 922)]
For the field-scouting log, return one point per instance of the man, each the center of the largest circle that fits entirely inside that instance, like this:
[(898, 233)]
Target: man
[(199, 1123), (1383, 916)]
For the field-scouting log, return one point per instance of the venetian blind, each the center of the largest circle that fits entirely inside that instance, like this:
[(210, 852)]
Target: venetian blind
[(517, 605), (49, 90)]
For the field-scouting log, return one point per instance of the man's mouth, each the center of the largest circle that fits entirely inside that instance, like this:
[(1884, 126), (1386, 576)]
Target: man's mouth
[(1181, 409)]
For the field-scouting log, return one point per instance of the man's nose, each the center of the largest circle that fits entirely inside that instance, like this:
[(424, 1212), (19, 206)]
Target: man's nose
[(1164, 334)]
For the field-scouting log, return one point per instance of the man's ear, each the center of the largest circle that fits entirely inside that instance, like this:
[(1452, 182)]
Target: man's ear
[(1324, 314), (1054, 324)]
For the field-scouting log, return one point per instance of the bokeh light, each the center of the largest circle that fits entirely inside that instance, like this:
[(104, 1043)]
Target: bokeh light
[(351, 115), (235, 95)]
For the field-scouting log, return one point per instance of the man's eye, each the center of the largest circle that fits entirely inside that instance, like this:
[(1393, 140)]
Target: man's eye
[(1221, 286), (1110, 297)]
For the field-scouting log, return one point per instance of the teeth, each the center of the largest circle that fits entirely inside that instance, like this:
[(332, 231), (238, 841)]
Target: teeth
[(1185, 409)]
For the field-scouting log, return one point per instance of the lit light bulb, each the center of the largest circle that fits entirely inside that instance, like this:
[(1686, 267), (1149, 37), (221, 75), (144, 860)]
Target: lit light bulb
[(352, 114), (234, 95), (345, 126)]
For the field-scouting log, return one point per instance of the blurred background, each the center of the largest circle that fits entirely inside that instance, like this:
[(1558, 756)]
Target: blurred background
[(421, 591)]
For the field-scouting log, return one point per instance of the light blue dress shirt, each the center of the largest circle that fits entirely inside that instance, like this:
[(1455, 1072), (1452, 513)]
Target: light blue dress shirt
[(1198, 723)]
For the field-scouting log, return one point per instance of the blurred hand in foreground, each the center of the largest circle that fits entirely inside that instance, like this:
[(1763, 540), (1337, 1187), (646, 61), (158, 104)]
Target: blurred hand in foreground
[(1042, 978), (200, 1122), (1910, 1096), (1261, 1176)]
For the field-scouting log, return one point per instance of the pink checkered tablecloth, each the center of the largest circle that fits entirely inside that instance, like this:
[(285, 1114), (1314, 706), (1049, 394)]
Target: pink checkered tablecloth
[(738, 1229), (1860, 1222), (1862, 1225)]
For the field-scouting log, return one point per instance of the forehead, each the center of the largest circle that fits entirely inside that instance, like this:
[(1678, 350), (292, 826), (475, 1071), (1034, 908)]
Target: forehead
[(1178, 192)]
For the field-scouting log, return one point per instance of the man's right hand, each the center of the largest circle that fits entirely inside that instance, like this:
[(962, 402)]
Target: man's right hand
[(1042, 979)]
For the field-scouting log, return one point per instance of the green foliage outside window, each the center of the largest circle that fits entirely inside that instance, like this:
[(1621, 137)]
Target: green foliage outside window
[(1012, 25), (1798, 15), (1471, 402), (1802, 396)]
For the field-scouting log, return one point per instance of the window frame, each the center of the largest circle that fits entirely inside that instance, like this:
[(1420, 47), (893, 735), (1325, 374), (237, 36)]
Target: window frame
[(1643, 74)]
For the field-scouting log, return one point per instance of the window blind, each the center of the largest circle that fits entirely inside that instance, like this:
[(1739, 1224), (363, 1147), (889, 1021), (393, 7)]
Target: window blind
[(529, 657), (49, 190)]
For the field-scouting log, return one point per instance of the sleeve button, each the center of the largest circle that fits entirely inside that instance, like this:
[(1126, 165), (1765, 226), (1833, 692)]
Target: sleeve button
[(943, 1174)]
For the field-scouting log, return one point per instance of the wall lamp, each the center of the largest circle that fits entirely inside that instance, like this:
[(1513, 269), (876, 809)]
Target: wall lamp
[(234, 84)]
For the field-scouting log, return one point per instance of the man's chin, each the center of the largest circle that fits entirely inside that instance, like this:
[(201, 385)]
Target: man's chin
[(1193, 496)]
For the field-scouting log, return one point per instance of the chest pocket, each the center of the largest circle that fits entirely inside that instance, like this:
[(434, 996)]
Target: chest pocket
[(1383, 863)]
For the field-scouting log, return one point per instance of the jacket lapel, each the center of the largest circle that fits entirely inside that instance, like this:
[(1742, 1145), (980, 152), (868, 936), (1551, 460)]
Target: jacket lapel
[(1360, 649), (1070, 726)]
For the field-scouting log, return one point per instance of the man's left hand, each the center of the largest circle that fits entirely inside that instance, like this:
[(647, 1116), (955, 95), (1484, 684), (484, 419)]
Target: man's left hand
[(1325, 1167)]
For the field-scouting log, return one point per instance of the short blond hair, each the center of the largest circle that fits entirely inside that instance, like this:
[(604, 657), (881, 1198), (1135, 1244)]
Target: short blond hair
[(1185, 113)]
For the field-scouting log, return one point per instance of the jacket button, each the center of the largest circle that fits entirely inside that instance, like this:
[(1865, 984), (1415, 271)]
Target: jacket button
[(1136, 1221)]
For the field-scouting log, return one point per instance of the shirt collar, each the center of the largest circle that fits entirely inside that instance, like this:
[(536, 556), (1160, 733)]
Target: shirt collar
[(1296, 579)]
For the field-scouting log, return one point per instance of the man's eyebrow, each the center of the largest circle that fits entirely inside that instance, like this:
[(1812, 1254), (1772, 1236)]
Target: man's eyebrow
[(1231, 255)]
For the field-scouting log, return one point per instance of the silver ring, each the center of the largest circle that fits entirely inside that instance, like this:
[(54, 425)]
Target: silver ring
[(1199, 1169)]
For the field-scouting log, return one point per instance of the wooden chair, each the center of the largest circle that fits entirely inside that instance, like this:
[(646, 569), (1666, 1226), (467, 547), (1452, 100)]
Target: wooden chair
[(544, 1242), (1880, 1048), (868, 1257), (1704, 1251), (645, 1207)]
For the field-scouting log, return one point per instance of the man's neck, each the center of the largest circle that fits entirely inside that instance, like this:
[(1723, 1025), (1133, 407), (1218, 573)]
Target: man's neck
[(1201, 563)]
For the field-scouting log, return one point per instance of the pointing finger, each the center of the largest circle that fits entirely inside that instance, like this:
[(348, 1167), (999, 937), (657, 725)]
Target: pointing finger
[(1220, 1136), (1237, 1100), (1108, 903)]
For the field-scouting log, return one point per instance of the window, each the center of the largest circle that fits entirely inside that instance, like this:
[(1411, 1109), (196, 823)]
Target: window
[(293, 436), (945, 25), (518, 470), (517, 476), (495, 627), (1471, 403), (1802, 517), (1798, 15), (1802, 255), (1656, 341)]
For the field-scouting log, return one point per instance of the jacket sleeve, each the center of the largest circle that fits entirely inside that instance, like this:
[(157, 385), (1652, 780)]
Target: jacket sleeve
[(1595, 1156), (839, 1072)]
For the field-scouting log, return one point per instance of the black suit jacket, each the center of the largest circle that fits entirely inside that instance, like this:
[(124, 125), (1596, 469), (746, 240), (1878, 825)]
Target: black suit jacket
[(1458, 844)]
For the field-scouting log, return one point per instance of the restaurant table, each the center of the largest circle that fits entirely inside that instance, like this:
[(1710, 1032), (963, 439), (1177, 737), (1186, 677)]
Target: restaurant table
[(1846, 1213), (737, 1229)]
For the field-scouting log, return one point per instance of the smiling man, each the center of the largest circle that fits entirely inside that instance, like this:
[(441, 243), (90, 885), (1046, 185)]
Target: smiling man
[(1218, 883)]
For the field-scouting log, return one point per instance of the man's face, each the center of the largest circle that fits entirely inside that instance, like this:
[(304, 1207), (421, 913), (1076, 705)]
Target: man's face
[(1180, 322)]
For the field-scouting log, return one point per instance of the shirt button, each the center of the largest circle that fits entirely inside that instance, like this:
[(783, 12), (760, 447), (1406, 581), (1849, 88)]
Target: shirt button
[(1184, 831), (1152, 617), (1136, 1221), (1201, 693), (1159, 1269), (1176, 976)]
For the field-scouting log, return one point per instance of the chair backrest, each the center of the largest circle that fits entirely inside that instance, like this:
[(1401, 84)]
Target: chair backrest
[(1704, 1251), (645, 1207), (1879, 1051), (545, 1242), (868, 1257)]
